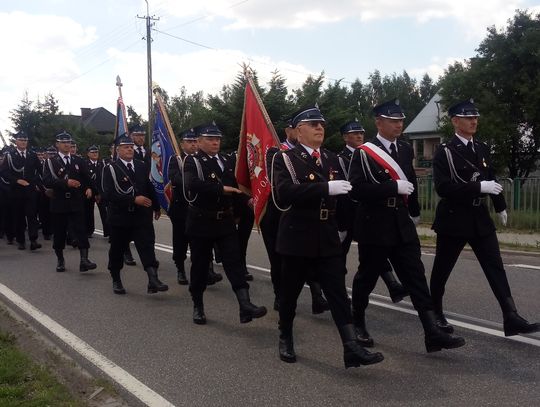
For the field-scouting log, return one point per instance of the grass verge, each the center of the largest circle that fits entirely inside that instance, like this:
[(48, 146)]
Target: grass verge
[(25, 383)]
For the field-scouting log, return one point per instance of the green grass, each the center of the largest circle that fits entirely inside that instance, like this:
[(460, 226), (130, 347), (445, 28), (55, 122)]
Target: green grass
[(25, 384)]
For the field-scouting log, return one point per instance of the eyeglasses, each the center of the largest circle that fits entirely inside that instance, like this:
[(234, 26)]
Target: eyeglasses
[(314, 123)]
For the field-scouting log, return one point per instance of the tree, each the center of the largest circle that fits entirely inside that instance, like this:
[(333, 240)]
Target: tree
[(504, 79)]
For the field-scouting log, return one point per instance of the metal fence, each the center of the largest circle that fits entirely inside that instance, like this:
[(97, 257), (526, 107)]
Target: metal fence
[(522, 199)]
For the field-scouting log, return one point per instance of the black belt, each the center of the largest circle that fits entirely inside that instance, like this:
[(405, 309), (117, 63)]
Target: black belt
[(218, 215), (392, 202), (319, 214)]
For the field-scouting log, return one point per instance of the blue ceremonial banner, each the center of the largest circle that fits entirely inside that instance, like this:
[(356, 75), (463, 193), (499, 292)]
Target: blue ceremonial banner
[(121, 127), (162, 151)]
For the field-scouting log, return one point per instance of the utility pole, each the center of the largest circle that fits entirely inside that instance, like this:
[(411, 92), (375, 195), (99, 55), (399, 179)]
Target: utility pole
[(149, 24)]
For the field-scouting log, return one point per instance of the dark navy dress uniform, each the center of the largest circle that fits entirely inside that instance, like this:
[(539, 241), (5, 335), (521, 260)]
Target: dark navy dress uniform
[(308, 238), (95, 169), (211, 221), (67, 203), (23, 165), (178, 210), (385, 231), (129, 221), (462, 217)]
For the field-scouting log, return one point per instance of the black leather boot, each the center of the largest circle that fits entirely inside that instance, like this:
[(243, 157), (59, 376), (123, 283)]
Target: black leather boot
[(61, 264), (248, 311), (286, 346), (154, 285), (395, 289), (198, 312), (117, 286), (85, 264), (435, 338), (128, 258), (213, 277), (181, 274), (442, 323), (354, 355), (514, 324), (318, 302), (34, 245), (362, 334)]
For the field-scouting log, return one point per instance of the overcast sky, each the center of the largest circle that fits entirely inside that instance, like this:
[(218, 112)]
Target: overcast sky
[(75, 48)]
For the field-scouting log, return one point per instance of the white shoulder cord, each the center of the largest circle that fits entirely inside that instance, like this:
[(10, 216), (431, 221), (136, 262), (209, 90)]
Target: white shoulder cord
[(199, 174), (272, 188), (51, 169), (453, 173), (366, 168), (12, 166), (342, 165), (117, 187)]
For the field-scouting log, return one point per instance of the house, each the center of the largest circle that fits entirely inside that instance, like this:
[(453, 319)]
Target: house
[(98, 119), (424, 134)]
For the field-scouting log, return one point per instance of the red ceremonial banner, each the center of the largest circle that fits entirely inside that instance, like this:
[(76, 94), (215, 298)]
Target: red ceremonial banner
[(257, 135)]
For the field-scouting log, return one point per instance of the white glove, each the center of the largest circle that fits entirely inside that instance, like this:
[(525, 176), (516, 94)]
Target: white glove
[(404, 187), (342, 235), (416, 220), (490, 187), (338, 187), (503, 216)]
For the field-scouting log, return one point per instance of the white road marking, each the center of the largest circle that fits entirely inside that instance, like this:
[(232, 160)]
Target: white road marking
[(461, 322), (523, 266), (115, 372)]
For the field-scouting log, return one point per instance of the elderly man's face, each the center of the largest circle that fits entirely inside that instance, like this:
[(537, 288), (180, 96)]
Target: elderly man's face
[(311, 133), (125, 152)]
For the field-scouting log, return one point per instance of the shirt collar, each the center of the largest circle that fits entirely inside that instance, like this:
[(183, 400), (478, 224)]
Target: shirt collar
[(309, 149), (64, 155), (464, 140), (128, 162), (351, 149), (386, 143)]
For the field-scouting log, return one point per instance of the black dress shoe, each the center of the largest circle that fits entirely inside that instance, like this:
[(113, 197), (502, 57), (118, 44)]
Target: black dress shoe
[(249, 277), (21, 246), (354, 355), (60, 266), (118, 288), (286, 349), (10, 241), (198, 315), (276, 304), (319, 305), (181, 277), (34, 245), (514, 324), (129, 260)]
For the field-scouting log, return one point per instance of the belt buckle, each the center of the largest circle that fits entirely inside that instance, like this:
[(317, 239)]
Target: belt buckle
[(323, 214), (477, 202), (219, 215), (391, 202), (67, 195)]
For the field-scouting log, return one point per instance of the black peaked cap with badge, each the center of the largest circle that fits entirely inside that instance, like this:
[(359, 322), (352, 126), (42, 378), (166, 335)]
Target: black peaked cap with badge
[(465, 108), (390, 109)]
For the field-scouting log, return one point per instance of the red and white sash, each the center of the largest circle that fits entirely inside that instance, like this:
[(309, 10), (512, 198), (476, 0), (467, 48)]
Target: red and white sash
[(382, 158)]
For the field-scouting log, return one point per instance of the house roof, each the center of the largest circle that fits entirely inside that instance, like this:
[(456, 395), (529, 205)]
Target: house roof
[(427, 121), (101, 120)]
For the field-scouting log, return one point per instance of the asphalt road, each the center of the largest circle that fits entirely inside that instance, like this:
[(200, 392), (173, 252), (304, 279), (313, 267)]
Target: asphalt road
[(227, 363)]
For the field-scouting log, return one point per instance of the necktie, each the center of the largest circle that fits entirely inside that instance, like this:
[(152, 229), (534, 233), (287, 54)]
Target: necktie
[(470, 147), (130, 169), (317, 156), (23, 155), (393, 151), (67, 159), (139, 149)]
